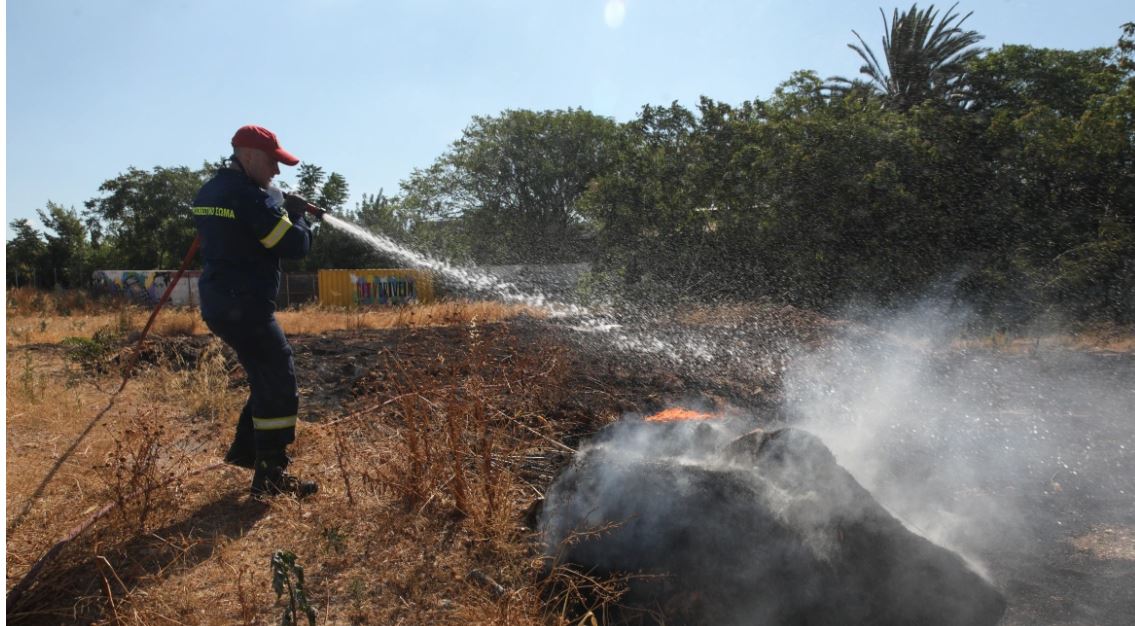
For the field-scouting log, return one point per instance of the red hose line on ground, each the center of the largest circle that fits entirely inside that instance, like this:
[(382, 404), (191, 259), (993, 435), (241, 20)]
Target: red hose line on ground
[(127, 371), (161, 302)]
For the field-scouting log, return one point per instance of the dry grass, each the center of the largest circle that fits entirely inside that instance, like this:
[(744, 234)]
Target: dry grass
[(434, 484), (51, 398), (1108, 542), (1103, 339), (204, 389), (418, 519), (37, 317), (47, 400), (51, 329), (315, 319), (27, 301)]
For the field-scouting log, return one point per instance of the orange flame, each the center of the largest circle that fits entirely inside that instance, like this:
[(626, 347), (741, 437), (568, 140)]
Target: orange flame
[(676, 414)]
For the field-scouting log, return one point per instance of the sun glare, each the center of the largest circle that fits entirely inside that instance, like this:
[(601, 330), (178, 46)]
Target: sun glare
[(614, 12)]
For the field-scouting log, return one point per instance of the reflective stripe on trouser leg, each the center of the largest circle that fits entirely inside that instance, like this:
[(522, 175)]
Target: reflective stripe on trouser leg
[(273, 423), (273, 434), (267, 359)]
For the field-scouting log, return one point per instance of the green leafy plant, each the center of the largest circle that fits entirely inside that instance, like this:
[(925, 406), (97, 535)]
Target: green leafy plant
[(93, 352), (284, 568)]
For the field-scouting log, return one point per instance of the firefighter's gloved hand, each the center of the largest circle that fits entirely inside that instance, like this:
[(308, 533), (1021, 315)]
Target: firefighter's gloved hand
[(295, 206)]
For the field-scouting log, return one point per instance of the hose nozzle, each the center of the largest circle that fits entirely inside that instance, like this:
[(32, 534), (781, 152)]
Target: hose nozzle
[(315, 211), (294, 204)]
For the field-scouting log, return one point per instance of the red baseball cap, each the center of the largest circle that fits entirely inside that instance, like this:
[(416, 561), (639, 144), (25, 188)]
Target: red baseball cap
[(261, 138)]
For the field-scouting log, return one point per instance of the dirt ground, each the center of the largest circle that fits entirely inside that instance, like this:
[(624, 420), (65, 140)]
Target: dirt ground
[(431, 444), (1056, 450)]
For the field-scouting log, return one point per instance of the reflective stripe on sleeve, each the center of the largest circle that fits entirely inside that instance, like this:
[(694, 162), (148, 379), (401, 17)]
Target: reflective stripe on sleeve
[(274, 237), (273, 423)]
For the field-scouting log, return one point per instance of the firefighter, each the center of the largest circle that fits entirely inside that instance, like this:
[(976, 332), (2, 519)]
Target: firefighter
[(246, 226)]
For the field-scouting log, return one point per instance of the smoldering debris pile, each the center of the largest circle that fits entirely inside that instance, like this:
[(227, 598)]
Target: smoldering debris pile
[(765, 528)]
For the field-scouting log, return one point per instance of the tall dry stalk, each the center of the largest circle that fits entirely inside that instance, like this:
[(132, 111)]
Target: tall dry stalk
[(454, 434), (342, 457), (141, 478)]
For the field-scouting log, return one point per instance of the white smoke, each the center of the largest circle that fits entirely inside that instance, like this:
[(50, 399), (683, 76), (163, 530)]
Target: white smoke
[(967, 447)]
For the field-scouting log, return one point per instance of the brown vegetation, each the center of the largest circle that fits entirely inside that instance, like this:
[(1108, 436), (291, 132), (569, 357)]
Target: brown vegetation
[(428, 461), (37, 317)]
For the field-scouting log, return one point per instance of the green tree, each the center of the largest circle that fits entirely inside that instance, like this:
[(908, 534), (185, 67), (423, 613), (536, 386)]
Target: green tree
[(924, 58), (1125, 49), (802, 198), (435, 211), (513, 181), (653, 207), (309, 178), (1061, 135), (68, 249), (24, 253), (143, 220), (333, 193), (1015, 79), (381, 214), (847, 204)]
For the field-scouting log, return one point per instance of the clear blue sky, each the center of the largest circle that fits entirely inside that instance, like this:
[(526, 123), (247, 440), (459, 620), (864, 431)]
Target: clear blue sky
[(374, 89)]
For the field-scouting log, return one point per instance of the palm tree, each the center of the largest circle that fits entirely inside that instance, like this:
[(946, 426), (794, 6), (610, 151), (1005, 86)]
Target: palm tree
[(923, 60)]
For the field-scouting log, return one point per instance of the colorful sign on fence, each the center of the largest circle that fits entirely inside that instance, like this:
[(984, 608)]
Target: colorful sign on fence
[(380, 290), (374, 287)]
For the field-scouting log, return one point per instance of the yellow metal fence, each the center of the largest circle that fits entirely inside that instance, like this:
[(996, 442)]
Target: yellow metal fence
[(369, 287)]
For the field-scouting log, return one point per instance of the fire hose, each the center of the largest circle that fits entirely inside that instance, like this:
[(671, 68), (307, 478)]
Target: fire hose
[(18, 589)]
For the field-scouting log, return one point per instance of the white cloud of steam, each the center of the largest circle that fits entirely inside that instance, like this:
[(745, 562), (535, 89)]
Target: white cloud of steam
[(894, 422), (968, 448)]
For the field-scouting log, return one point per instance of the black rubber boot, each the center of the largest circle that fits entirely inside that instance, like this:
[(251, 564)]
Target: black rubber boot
[(242, 452), (271, 478)]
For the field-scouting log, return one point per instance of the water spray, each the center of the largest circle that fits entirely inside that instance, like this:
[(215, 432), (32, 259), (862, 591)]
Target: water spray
[(580, 319)]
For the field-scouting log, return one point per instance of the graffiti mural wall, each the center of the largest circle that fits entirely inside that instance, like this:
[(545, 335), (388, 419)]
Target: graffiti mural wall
[(147, 286)]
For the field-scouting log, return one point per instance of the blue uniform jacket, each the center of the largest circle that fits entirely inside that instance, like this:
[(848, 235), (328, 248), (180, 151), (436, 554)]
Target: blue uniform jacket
[(244, 234)]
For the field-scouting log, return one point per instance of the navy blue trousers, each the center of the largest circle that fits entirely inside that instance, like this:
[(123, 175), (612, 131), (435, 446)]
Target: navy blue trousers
[(268, 421)]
